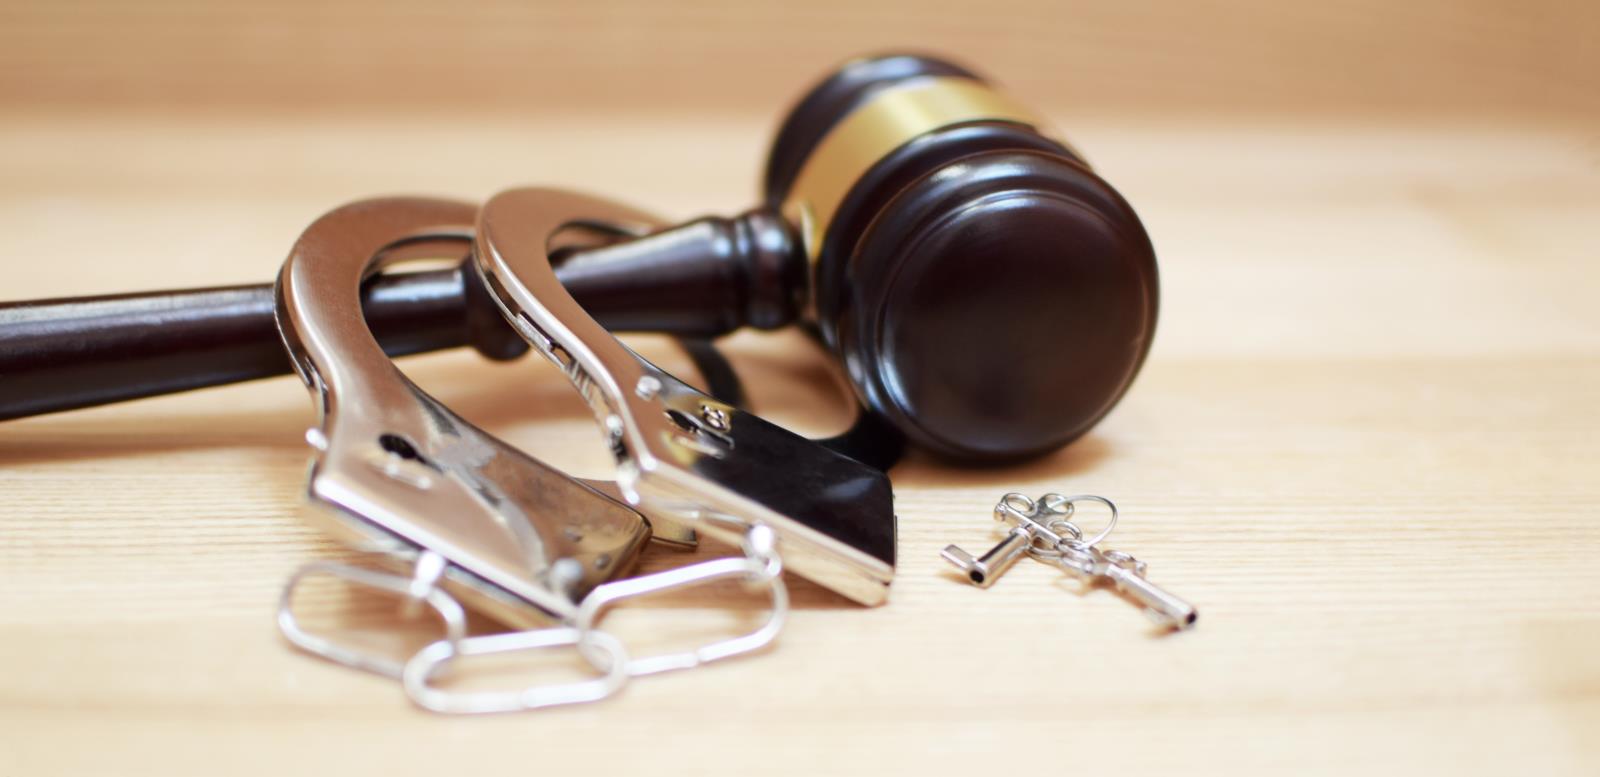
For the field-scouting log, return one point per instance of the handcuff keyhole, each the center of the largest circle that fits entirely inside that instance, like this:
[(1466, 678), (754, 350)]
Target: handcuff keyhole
[(399, 447)]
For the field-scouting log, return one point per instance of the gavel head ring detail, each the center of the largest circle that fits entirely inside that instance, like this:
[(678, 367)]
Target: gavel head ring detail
[(988, 294)]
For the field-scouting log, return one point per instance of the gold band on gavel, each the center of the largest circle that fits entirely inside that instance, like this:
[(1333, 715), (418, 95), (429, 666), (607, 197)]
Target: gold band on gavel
[(887, 120)]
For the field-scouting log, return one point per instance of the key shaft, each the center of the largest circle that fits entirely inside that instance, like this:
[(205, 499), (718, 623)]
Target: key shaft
[(1161, 605)]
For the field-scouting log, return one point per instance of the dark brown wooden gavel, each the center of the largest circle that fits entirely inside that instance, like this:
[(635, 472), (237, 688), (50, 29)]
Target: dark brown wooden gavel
[(989, 296)]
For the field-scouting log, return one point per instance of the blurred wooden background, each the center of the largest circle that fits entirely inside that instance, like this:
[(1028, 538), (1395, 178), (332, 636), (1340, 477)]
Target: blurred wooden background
[(1366, 443), (1460, 56)]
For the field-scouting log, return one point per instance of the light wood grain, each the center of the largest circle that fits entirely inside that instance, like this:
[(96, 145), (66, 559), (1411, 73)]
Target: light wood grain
[(1366, 445), (1476, 57)]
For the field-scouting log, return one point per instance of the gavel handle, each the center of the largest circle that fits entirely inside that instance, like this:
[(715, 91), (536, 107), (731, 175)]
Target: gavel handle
[(64, 354), (700, 279)]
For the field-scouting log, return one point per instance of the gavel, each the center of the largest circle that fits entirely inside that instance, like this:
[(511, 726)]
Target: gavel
[(989, 296)]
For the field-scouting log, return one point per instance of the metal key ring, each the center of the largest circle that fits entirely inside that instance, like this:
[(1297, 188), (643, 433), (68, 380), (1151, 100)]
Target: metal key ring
[(1104, 532), (1043, 548)]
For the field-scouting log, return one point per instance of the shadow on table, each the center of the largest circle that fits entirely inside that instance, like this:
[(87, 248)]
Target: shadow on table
[(923, 470)]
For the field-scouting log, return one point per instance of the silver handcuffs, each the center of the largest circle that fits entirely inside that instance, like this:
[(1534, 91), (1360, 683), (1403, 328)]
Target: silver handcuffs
[(680, 452), (455, 518)]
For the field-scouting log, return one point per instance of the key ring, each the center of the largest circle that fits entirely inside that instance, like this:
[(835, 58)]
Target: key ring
[(1053, 513), (1077, 542)]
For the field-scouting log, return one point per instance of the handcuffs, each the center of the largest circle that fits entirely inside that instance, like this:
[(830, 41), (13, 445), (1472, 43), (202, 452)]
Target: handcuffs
[(455, 518)]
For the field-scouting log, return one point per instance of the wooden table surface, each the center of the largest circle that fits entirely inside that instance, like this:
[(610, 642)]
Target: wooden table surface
[(1366, 445)]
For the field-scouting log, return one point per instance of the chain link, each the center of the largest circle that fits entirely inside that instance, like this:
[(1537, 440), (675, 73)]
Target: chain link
[(421, 669), (757, 570), (760, 568), (448, 609)]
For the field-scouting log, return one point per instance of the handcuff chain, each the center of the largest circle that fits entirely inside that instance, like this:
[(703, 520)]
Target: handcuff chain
[(761, 568)]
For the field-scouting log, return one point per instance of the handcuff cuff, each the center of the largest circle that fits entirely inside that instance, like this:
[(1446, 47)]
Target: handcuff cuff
[(458, 517)]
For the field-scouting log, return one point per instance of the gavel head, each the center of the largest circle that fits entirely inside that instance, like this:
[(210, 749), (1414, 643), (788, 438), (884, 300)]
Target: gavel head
[(988, 294)]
